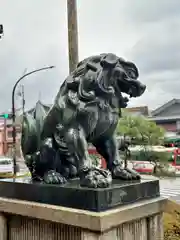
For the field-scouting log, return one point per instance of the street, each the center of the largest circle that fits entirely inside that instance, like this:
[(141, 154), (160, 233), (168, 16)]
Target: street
[(170, 188), (22, 166)]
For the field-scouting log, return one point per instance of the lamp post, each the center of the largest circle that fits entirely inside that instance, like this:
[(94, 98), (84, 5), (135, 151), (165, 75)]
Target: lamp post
[(14, 115)]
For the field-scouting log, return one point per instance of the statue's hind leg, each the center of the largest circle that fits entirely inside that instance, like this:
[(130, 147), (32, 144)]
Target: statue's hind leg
[(67, 167), (89, 177), (108, 149), (45, 164)]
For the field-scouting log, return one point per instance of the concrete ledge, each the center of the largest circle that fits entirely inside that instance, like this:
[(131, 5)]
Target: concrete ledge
[(84, 219)]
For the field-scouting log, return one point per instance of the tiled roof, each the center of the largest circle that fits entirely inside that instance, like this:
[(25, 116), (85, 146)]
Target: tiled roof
[(164, 106), (166, 118)]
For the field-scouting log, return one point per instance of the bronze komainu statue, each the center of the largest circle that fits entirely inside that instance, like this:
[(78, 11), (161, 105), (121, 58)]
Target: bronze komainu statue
[(86, 110)]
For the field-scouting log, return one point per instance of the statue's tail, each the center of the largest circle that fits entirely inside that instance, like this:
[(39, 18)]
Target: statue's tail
[(32, 128)]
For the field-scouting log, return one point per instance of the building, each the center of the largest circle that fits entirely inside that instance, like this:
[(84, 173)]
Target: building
[(39, 105), (6, 139), (139, 111), (168, 116)]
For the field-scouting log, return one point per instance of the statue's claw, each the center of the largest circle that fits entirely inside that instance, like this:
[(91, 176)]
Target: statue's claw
[(96, 178), (53, 177), (135, 175), (125, 174)]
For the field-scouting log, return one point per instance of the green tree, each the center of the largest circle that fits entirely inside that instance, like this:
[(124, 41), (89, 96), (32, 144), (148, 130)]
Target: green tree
[(145, 133)]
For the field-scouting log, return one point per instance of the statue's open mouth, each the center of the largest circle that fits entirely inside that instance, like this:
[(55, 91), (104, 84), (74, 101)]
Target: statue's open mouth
[(132, 87), (126, 81), (136, 88)]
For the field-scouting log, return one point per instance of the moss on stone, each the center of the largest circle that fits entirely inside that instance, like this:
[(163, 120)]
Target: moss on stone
[(172, 221)]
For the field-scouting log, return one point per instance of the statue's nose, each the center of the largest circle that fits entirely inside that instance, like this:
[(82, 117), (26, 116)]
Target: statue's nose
[(142, 88)]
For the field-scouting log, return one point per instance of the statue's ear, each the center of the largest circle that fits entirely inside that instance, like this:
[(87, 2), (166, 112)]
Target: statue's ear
[(109, 60), (94, 59)]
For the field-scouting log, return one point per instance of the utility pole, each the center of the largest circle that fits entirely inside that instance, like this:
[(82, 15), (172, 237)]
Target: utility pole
[(72, 34), (23, 102), (5, 137)]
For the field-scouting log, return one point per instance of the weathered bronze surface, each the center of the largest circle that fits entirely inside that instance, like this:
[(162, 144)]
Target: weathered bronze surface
[(86, 109)]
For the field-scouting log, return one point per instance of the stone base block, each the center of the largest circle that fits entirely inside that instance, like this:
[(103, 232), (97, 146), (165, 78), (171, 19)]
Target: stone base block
[(23, 220), (33, 229), (73, 196)]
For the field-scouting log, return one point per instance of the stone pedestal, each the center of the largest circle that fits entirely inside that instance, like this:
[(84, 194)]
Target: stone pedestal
[(23, 220), (72, 195)]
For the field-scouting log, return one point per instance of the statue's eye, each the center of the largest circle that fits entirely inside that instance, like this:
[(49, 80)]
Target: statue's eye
[(131, 74)]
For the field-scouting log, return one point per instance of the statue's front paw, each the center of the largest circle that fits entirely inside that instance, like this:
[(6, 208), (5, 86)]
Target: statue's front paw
[(135, 175), (119, 172), (53, 177), (96, 178)]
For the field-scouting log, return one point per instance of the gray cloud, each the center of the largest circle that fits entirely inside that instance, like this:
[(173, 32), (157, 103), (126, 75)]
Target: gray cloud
[(34, 37), (146, 32), (143, 11), (158, 57), (158, 49)]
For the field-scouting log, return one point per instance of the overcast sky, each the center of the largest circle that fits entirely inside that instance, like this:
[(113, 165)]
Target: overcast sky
[(146, 32)]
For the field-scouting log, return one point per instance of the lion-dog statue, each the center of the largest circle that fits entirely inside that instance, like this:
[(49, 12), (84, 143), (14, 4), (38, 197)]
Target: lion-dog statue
[(86, 110)]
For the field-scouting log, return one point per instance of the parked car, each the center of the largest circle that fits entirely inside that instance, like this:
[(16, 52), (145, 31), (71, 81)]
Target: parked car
[(143, 167), (6, 167)]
